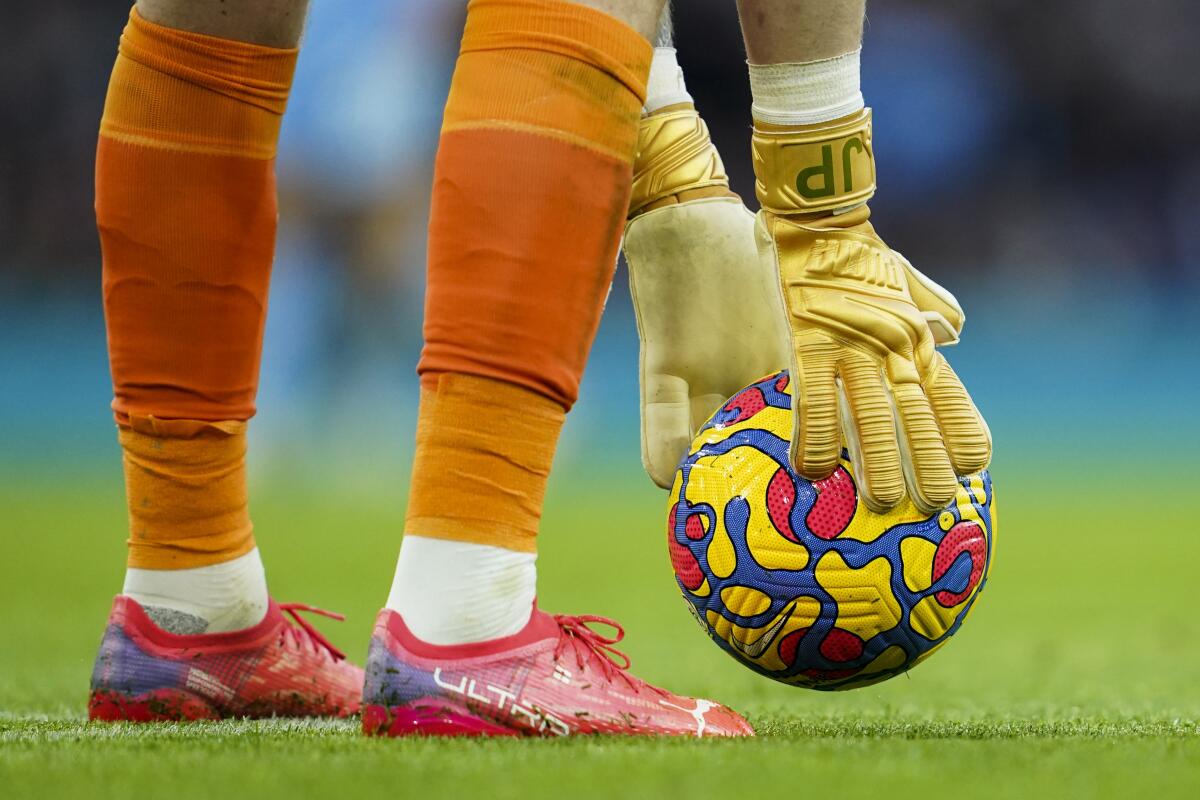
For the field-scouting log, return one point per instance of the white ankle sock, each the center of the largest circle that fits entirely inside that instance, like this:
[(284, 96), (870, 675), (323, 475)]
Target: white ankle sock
[(222, 597), (804, 94), (458, 592), (665, 86)]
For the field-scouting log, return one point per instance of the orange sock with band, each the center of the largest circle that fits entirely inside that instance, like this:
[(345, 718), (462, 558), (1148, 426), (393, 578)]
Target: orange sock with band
[(531, 187), (186, 209)]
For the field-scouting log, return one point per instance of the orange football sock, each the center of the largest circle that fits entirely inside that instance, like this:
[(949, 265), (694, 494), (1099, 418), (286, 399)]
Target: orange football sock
[(531, 187), (186, 209)]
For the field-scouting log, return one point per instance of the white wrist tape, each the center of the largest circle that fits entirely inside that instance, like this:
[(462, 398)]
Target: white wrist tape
[(804, 94), (665, 86)]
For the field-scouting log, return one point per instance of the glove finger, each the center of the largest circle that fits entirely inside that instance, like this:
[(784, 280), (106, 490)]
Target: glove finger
[(930, 478), (964, 431), (871, 433), (816, 429), (666, 427)]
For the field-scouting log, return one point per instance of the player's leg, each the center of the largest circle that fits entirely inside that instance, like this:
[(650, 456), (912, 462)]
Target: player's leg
[(270, 23), (186, 210), (641, 15), (863, 322), (531, 186), (531, 178), (800, 31)]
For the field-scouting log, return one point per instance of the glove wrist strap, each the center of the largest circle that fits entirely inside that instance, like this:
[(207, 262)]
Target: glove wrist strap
[(676, 159), (814, 168)]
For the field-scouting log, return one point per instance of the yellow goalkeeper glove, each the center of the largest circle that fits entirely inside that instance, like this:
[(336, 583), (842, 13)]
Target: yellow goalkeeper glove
[(707, 308), (863, 324)]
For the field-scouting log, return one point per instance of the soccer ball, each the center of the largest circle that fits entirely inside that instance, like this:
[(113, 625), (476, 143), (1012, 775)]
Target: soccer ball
[(797, 579)]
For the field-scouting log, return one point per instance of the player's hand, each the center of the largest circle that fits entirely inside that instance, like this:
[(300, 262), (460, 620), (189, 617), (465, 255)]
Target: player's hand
[(864, 324), (707, 307)]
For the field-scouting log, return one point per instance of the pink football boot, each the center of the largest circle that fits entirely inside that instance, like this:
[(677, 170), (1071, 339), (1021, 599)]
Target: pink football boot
[(280, 667), (556, 677)]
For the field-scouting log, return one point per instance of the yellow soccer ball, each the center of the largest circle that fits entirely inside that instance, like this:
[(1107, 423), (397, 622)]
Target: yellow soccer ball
[(798, 579)]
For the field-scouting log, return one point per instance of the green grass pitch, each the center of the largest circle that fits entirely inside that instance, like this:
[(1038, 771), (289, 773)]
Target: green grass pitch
[(1078, 675)]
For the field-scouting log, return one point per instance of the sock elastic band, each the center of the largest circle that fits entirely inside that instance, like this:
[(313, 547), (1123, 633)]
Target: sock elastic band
[(185, 482), (484, 450)]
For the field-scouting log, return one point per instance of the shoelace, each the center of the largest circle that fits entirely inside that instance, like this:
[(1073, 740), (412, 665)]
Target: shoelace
[(305, 634), (587, 643)]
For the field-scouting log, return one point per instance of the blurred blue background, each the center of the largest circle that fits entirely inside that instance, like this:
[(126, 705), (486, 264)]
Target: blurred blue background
[(1035, 158)]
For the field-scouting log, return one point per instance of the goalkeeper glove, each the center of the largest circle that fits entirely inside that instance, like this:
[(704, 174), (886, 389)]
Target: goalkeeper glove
[(863, 325), (707, 310)]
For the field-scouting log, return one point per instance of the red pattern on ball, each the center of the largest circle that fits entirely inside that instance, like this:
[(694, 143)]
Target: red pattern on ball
[(781, 382), (965, 537), (836, 500), (789, 644), (748, 402), (686, 567), (840, 645), (781, 498)]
